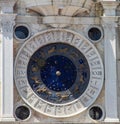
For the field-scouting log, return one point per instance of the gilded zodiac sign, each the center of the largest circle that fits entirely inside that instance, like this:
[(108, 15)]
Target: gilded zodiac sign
[(64, 50), (41, 62), (37, 81), (42, 54), (76, 89), (81, 79), (62, 97), (52, 50), (49, 93), (35, 69), (81, 66), (43, 90), (74, 55)]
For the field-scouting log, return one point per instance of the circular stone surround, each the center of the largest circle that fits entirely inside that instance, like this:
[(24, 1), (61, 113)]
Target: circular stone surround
[(48, 108), (22, 112), (21, 32), (96, 113), (95, 33)]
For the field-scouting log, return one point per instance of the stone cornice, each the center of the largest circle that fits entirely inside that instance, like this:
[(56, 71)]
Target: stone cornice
[(110, 18), (65, 21), (57, 20)]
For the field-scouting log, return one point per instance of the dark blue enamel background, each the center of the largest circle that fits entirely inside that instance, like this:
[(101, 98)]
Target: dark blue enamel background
[(59, 73)]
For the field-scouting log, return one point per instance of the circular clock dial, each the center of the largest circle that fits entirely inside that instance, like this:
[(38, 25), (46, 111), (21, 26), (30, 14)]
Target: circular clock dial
[(58, 73)]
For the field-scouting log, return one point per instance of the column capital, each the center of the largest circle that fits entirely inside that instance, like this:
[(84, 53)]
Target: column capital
[(109, 7), (109, 4), (7, 22), (7, 6)]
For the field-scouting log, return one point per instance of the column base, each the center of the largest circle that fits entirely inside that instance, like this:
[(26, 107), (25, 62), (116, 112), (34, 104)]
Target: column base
[(111, 120), (5, 119)]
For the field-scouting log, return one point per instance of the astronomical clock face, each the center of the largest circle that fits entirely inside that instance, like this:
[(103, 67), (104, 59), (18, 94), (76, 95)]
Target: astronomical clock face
[(58, 73)]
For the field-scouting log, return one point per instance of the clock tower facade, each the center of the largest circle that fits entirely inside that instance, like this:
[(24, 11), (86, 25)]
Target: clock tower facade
[(59, 61)]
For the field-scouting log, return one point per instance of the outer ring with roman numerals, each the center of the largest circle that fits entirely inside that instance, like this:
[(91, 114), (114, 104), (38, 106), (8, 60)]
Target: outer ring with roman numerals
[(53, 109)]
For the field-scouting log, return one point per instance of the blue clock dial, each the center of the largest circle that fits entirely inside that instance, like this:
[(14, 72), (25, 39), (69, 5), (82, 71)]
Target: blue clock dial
[(58, 73)]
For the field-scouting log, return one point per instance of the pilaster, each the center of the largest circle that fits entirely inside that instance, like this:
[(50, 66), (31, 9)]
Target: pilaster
[(109, 22), (110, 39), (7, 23)]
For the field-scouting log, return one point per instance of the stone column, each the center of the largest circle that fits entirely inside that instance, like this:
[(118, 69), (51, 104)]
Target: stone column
[(7, 23), (110, 70), (109, 21)]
